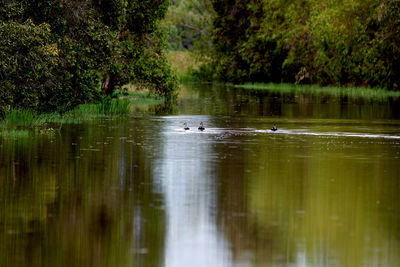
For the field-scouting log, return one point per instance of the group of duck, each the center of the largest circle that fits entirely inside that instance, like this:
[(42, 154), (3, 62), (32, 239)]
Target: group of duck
[(201, 127)]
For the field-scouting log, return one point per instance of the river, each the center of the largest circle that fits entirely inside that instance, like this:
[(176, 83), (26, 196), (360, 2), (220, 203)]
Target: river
[(322, 190)]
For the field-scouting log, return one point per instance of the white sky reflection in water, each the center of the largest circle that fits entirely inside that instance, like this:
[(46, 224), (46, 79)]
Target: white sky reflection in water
[(190, 199)]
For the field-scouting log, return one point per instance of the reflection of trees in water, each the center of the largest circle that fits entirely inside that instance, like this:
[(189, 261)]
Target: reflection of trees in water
[(251, 239), (217, 99), (168, 107), (287, 201), (298, 105), (66, 205)]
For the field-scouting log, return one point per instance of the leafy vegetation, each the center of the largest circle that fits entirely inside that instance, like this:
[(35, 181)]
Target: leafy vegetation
[(189, 27), (189, 23), (55, 55), (340, 42)]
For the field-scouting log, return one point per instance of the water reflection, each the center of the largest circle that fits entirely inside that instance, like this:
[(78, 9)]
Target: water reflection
[(321, 191), (220, 100), (79, 199), (186, 173), (322, 203)]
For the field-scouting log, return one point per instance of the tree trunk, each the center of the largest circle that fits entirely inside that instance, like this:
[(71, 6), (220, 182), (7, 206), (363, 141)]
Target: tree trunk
[(109, 84)]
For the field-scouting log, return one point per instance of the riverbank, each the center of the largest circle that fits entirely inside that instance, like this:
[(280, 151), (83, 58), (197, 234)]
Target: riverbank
[(355, 92), (18, 122)]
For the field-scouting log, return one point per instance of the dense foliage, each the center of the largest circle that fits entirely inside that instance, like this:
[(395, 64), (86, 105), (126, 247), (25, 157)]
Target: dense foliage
[(189, 23), (56, 54), (342, 42)]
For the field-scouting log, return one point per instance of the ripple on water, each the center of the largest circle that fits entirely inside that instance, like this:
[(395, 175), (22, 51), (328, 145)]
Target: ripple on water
[(221, 133)]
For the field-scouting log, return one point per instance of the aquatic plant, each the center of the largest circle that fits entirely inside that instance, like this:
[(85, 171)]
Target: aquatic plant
[(20, 118), (48, 131), (23, 118), (109, 106), (354, 92)]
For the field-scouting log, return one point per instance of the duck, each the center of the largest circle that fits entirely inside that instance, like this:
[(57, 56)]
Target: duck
[(201, 127), (274, 128), (185, 127)]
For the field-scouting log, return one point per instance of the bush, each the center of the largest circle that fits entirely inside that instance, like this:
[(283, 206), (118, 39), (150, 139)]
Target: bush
[(55, 55)]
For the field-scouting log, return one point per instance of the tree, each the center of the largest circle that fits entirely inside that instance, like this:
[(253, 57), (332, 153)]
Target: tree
[(189, 24), (27, 59), (382, 57), (92, 44), (343, 42)]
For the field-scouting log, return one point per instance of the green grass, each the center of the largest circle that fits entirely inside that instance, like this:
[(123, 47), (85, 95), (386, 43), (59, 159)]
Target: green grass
[(354, 92), (20, 118), (139, 95), (16, 121), (185, 64), (19, 123), (113, 107), (181, 62), (106, 108), (143, 98)]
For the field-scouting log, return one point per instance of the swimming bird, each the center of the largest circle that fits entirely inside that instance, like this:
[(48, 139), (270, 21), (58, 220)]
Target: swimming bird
[(201, 127), (274, 128), (185, 127)]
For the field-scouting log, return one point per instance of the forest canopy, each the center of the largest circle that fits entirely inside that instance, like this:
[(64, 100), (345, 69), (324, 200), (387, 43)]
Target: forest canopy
[(338, 42), (56, 54), (341, 42)]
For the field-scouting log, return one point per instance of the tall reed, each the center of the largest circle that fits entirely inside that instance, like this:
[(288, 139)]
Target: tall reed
[(116, 107), (20, 118), (355, 92)]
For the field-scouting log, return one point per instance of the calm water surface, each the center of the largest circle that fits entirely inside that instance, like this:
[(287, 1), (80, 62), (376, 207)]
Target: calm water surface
[(324, 190)]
